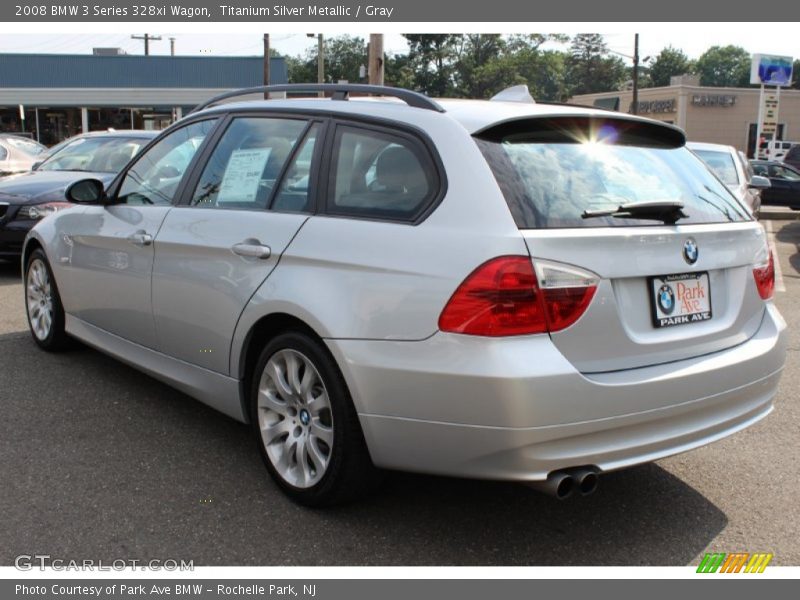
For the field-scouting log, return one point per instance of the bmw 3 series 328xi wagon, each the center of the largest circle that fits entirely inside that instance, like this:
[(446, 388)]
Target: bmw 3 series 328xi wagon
[(490, 289)]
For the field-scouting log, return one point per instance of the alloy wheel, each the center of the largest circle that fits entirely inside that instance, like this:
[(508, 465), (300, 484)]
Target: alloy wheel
[(39, 299), (295, 418)]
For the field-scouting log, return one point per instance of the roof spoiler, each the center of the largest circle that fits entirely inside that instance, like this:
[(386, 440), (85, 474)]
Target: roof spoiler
[(338, 91), (616, 128)]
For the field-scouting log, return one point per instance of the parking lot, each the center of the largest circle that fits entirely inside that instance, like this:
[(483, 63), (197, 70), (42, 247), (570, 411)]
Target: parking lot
[(102, 462)]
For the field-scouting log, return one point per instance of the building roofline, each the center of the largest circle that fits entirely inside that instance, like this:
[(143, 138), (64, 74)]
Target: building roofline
[(138, 56), (673, 88)]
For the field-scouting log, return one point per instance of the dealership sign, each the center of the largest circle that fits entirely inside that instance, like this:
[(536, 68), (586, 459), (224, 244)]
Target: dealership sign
[(655, 106), (713, 100), (766, 69)]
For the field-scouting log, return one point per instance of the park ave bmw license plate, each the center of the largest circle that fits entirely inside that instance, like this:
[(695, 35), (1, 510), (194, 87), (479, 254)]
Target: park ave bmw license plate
[(680, 299)]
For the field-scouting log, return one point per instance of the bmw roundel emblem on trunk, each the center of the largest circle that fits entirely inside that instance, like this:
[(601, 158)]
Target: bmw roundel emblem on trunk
[(690, 251)]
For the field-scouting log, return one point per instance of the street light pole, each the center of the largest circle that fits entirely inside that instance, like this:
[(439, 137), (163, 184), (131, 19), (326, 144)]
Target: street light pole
[(635, 109)]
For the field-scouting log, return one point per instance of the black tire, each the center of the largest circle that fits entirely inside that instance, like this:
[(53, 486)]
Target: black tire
[(350, 473), (57, 339)]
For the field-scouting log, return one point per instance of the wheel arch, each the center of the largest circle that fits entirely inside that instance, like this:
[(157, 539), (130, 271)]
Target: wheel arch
[(31, 244), (265, 328)]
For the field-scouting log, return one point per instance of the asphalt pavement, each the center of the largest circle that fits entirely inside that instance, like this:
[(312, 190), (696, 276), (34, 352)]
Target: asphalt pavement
[(98, 461)]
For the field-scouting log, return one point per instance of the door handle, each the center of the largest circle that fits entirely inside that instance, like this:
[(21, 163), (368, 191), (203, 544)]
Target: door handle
[(252, 249), (140, 238)]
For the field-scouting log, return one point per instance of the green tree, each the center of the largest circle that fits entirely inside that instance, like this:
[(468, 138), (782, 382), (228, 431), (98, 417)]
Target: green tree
[(398, 71), (432, 58), (590, 68), (669, 62), (482, 67), (544, 71), (344, 56), (724, 66)]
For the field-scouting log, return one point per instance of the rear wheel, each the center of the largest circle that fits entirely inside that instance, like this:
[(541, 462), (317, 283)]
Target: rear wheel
[(305, 423), (43, 304)]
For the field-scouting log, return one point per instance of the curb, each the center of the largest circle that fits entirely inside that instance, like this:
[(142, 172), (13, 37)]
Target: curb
[(779, 215)]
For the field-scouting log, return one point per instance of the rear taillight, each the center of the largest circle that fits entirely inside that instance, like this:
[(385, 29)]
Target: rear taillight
[(505, 296), (568, 291), (764, 275)]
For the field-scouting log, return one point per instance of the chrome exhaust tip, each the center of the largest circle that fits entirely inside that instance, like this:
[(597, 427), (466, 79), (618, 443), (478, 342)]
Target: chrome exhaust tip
[(559, 484), (586, 481)]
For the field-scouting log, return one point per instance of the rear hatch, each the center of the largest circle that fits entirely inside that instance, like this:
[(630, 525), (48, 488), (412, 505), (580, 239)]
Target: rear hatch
[(675, 277)]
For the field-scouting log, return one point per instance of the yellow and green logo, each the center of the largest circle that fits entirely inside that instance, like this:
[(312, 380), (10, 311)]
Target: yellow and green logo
[(744, 562)]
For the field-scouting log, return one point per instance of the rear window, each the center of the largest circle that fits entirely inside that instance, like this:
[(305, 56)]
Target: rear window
[(552, 171), (722, 164), (27, 146)]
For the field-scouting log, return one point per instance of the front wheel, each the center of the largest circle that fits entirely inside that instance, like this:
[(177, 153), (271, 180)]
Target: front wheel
[(305, 423), (43, 304)]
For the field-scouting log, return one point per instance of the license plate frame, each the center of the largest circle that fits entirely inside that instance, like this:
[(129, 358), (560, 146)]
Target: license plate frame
[(698, 295)]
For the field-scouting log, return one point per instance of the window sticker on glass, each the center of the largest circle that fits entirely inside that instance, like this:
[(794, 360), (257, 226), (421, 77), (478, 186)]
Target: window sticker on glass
[(243, 175)]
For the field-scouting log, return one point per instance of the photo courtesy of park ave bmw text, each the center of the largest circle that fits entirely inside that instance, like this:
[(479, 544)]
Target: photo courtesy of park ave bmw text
[(327, 300)]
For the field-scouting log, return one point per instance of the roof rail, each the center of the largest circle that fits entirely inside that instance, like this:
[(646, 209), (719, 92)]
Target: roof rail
[(339, 91)]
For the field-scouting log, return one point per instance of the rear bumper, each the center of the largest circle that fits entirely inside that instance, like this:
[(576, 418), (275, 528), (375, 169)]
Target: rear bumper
[(515, 408)]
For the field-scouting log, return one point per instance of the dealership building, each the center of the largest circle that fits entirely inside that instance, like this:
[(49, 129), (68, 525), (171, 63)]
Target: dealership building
[(62, 95), (708, 114)]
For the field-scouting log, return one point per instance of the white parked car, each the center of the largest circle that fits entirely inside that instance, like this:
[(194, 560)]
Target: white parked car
[(18, 154), (491, 289), (734, 170)]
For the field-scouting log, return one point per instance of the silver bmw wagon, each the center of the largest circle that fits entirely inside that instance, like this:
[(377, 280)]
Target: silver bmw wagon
[(493, 289)]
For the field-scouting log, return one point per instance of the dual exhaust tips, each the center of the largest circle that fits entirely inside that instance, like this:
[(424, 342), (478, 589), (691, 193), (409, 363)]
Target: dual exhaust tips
[(563, 484)]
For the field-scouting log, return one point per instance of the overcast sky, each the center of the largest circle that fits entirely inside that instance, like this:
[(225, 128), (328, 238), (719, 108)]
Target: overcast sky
[(651, 42)]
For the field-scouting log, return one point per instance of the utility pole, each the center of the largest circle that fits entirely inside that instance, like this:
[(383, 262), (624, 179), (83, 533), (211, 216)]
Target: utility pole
[(172, 46), (266, 64), (320, 60), (146, 37), (635, 109), (375, 58)]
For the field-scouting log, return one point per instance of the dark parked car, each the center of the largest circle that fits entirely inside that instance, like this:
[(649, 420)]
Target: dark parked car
[(26, 198), (785, 180), (792, 157)]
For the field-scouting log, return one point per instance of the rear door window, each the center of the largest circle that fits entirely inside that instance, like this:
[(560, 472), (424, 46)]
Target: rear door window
[(552, 172), (294, 193), (247, 163), (378, 174)]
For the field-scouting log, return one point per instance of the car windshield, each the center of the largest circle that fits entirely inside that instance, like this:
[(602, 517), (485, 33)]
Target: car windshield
[(94, 154), (551, 185), (722, 164)]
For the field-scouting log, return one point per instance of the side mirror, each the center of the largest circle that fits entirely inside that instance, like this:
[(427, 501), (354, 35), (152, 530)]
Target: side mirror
[(759, 183), (86, 191), (36, 165)]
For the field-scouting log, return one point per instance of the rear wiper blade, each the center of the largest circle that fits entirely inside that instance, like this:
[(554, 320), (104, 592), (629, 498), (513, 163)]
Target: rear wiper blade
[(660, 210)]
